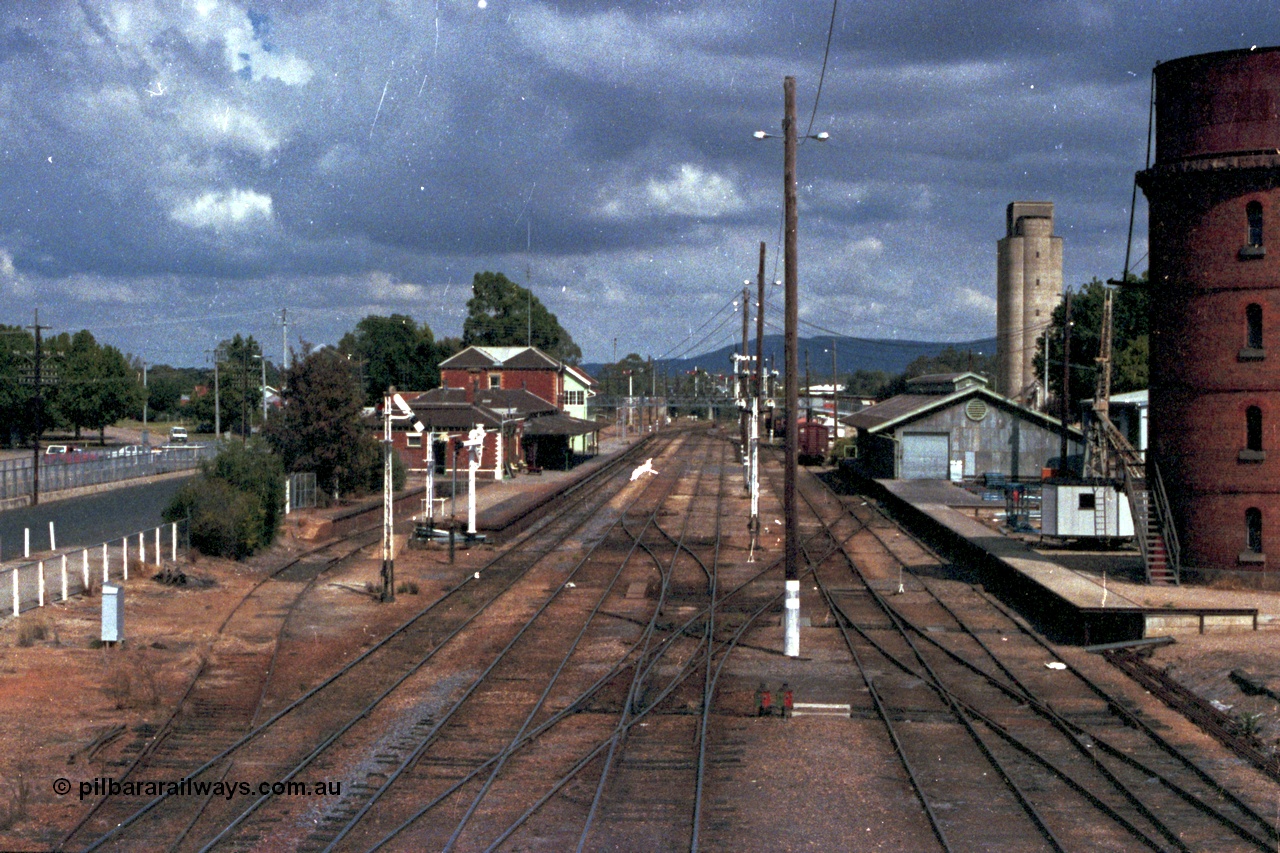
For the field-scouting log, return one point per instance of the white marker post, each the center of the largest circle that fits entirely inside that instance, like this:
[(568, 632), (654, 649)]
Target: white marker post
[(791, 615), (53, 541)]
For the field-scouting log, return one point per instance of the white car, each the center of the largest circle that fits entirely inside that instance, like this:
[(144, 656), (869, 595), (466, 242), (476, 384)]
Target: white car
[(177, 435)]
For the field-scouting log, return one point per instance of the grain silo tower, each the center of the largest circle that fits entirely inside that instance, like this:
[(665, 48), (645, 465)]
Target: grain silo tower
[(1214, 199), (1028, 287)]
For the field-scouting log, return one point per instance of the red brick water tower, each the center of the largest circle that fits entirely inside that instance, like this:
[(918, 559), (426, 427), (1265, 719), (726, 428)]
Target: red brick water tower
[(1214, 199)]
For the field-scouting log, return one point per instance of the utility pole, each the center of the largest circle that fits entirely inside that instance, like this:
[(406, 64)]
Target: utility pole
[(753, 523), (744, 391), (38, 379), (1066, 382), (791, 639), (284, 340), (217, 407), (144, 394), (835, 395)]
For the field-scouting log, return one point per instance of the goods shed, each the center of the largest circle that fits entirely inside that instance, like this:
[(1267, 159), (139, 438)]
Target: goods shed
[(952, 426)]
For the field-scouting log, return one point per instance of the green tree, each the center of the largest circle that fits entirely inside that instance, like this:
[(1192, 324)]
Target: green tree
[(950, 360), (321, 429), (499, 314), (96, 385), (16, 396), (1129, 323), (867, 383), (392, 351), (240, 384)]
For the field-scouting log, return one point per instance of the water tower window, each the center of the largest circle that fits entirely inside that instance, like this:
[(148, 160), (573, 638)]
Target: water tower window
[(1253, 212), (1253, 428), (1253, 530), (1253, 321)]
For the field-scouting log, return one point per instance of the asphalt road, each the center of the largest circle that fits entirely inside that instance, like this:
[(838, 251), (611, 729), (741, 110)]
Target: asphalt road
[(86, 521)]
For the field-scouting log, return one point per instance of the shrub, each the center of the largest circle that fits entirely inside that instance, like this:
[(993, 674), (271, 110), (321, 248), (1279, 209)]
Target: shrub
[(235, 505)]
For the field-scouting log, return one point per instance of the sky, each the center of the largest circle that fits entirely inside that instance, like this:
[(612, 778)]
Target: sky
[(174, 173)]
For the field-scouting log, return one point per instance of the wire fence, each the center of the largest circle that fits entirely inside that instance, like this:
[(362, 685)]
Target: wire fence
[(87, 468), (36, 583), (300, 492)]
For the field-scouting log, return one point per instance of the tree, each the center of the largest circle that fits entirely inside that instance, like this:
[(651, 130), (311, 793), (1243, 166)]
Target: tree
[(239, 383), (1129, 323), (96, 385), (950, 360), (498, 314), (16, 396), (392, 351), (320, 427)]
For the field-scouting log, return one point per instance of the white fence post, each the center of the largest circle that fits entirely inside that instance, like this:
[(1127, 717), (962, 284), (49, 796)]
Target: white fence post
[(159, 559), (53, 541), (26, 543), (105, 563), (84, 561), (64, 577), (124, 551), (174, 550), (142, 548), (14, 574), (40, 584)]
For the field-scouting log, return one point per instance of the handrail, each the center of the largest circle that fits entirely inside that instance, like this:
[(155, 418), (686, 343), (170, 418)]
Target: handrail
[(1167, 527)]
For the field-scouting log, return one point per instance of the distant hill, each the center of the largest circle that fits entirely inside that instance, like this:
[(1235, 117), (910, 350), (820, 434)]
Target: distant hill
[(852, 354)]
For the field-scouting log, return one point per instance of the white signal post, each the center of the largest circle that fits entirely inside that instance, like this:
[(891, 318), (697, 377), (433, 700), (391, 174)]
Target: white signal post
[(402, 413), (475, 448)]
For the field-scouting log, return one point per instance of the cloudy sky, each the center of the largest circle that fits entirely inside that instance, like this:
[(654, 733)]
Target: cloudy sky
[(172, 173)]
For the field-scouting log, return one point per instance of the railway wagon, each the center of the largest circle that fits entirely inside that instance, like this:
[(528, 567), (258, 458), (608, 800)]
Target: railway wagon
[(814, 439)]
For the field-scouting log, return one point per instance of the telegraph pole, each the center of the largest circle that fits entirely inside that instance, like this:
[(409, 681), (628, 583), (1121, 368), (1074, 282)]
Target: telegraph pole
[(744, 390), (284, 339), (36, 328), (1066, 382), (791, 640)]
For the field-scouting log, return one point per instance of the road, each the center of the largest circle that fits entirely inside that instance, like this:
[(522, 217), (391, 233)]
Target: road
[(86, 521)]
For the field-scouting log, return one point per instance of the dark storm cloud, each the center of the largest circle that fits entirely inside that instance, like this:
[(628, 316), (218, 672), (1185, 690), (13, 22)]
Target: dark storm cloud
[(211, 161)]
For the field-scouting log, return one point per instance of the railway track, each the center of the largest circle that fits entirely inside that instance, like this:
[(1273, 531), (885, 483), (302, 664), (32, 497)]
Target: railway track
[(982, 724), (327, 719)]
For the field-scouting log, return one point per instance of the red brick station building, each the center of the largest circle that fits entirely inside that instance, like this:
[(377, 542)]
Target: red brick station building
[(1213, 193), (530, 405)]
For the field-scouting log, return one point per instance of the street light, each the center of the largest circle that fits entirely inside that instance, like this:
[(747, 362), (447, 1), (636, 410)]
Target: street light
[(791, 618)]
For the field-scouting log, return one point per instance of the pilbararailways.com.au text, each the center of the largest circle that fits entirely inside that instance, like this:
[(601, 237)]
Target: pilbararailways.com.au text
[(107, 786)]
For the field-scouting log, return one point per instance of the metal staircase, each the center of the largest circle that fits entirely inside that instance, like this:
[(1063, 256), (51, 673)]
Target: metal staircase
[(1149, 505), (1111, 454)]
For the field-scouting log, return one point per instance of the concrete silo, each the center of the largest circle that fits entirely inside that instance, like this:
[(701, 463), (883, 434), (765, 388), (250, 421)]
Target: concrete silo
[(1028, 287)]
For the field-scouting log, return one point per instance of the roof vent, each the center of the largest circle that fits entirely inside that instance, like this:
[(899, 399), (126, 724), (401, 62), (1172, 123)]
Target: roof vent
[(975, 409)]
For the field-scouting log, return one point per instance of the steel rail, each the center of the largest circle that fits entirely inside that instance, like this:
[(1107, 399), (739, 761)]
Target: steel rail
[(581, 493), (166, 728), (538, 706), (1071, 732), (430, 736)]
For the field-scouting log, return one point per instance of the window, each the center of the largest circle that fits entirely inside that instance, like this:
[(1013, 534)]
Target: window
[(1088, 500), (1253, 212), (495, 380), (1252, 451), (1253, 322), (413, 439), (1253, 248), (573, 398), (1253, 529)]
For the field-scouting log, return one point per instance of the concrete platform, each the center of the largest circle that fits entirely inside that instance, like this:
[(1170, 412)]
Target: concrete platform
[(1078, 605)]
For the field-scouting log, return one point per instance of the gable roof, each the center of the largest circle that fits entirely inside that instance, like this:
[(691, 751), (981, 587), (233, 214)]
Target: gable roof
[(582, 377), (904, 408), (510, 358)]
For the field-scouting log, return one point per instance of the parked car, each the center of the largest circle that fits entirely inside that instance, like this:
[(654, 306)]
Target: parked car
[(129, 451), (177, 435), (58, 449)]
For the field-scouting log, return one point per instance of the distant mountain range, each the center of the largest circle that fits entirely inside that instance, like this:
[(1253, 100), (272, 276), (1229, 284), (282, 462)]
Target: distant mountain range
[(852, 354)]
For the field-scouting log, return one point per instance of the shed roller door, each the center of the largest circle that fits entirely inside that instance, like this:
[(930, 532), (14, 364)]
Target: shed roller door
[(925, 457)]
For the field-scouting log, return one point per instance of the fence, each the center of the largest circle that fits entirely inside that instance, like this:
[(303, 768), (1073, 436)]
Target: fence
[(71, 573), (299, 492), (57, 475)]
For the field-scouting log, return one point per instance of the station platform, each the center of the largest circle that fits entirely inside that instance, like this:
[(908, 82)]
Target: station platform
[(1072, 605)]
